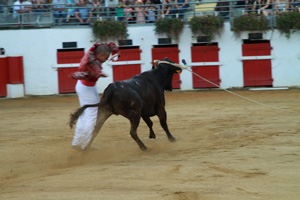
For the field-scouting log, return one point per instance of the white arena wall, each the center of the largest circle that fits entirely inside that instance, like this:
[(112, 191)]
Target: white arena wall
[(39, 47)]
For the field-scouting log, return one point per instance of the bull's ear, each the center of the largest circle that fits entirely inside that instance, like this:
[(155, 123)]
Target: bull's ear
[(165, 59), (178, 71)]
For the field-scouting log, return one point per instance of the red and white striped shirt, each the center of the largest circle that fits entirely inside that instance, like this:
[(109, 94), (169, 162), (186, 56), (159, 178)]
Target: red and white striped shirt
[(90, 69)]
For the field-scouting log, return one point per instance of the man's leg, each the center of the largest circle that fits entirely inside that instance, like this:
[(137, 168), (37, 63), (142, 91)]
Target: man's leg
[(87, 121)]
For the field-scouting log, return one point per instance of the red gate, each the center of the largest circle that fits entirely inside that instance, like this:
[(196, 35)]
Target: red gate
[(257, 72), (127, 70), (3, 76), (209, 72), (11, 72), (65, 56), (15, 70), (172, 54), (66, 84)]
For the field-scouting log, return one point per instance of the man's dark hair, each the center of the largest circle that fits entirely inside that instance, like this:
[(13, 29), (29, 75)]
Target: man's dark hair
[(103, 49)]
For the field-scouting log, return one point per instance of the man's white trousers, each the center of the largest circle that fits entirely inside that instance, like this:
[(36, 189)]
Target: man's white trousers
[(87, 121)]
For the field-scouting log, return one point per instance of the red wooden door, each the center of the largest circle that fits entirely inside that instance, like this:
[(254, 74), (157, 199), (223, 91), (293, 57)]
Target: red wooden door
[(3, 76), (209, 72), (126, 71), (67, 57), (172, 54), (15, 70), (130, 54), (257, 72), (205, 53), (260, 49), (123, 72), (66, 84)]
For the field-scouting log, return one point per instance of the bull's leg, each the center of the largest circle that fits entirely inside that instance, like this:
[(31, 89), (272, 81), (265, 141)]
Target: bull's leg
[(149, 124), (162, 115), (133, 131), (103, 115)]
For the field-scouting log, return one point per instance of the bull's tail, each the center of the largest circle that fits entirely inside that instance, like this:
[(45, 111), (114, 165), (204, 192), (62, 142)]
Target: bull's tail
[(104, 99), (75, 116)]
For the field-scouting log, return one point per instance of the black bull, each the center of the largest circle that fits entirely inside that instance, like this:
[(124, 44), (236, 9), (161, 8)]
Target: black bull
[(139, 96)]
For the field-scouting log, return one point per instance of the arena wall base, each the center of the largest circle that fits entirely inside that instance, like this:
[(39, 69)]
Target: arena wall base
[(15, 90)]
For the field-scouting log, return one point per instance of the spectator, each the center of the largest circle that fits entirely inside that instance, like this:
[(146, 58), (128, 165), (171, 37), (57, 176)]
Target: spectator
[(83, 13), (181, 6), (265, 6), (250, 7), (167, 9), (240, 4), (295, 5), (281, 6), (111, 8), (71, 11), (18, 8), (151, 12), (38, 9), (159, 5), (140, 12), (27, 5), (97, 9), (222, 9), (3, 3), (120, 10), (58, 7), (128, 12), (28, 10), (132, 2)]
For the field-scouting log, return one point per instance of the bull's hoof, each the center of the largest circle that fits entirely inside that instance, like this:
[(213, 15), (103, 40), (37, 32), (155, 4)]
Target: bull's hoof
[(172, 139), (152, 136), (71, 123), (143, 148)]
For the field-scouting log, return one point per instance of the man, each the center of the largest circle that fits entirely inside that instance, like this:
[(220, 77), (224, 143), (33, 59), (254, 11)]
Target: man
[(28, 9), (18, 8), (89, 72), (59, 7), (222, 8), (83, 13), (3, 3), (182, 5), (110, 6)]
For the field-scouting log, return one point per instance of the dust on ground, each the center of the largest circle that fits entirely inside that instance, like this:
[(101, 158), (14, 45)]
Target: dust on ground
[(227, 149)]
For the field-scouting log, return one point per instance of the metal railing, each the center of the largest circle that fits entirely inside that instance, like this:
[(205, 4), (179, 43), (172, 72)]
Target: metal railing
[(47, 15)]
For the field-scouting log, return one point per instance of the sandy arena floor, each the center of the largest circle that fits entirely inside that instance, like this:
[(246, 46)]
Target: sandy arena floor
[(227, 149)]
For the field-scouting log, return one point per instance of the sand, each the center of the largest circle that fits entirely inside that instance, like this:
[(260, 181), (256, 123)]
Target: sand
[(226, 149)]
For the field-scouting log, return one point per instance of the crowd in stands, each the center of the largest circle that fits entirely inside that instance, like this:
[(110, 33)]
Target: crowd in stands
[(88, 11), (133, 11), (264, 7)]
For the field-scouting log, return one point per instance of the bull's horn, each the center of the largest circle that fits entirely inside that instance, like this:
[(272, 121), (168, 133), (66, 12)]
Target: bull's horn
[(174, 64)]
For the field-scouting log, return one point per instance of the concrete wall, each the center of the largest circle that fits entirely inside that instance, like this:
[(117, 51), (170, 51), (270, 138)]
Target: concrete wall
[(39, 47)]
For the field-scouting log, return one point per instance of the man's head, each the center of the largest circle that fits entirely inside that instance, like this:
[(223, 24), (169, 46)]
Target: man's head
[(82, 2), (102, 53)]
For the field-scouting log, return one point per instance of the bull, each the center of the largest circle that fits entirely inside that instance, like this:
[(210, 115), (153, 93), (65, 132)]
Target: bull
[(141, 96)]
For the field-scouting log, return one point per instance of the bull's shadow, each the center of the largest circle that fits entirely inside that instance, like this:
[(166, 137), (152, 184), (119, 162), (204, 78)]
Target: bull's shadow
[(139, 96)]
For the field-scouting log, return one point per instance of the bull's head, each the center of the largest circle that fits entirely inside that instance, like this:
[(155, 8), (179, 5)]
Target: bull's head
[(169, 70)]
